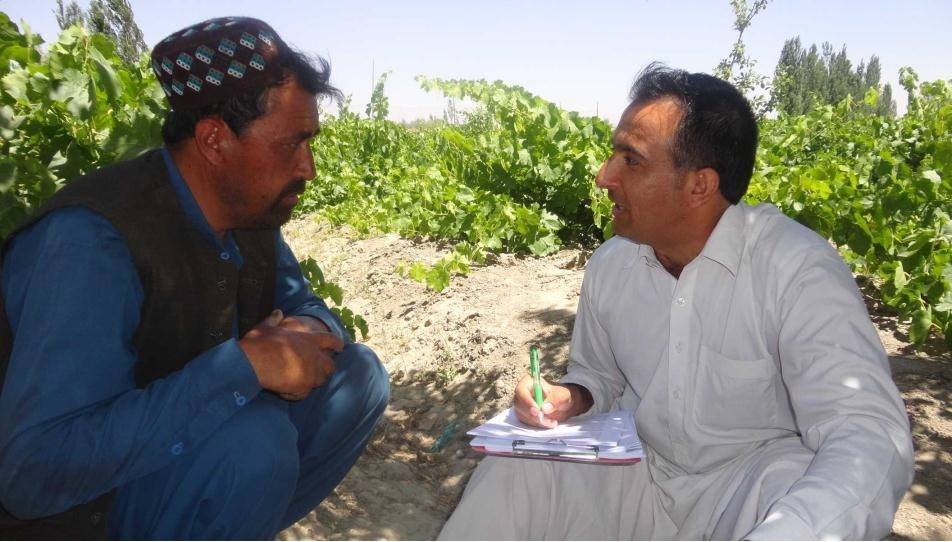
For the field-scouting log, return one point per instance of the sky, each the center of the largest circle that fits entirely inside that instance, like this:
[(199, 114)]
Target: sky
[(582, 55)]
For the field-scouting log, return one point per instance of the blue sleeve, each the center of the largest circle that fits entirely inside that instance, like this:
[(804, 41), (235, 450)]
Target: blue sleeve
[(294, 295), (72, 423)]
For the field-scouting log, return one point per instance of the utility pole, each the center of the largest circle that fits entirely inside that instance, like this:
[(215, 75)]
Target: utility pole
[(373, 74)]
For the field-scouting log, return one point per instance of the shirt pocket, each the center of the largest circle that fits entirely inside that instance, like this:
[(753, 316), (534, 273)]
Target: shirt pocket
[(735, 394)]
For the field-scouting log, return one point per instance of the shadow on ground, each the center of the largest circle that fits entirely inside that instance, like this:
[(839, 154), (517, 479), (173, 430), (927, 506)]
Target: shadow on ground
[(419, 452), (926, 390), (553, 339), (887, 319)]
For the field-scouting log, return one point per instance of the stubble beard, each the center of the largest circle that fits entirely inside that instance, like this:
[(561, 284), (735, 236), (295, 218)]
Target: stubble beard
[(274, 217)]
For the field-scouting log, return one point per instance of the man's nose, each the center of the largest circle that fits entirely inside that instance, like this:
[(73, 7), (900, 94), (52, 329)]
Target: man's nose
[(604, 178), (306, 164)]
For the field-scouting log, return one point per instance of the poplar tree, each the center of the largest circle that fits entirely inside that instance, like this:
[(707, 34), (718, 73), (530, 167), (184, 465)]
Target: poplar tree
[(114, 18), (68, 15), (818, 75)]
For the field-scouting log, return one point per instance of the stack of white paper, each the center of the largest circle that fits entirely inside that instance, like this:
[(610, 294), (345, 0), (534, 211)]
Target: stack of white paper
[(610, 436)]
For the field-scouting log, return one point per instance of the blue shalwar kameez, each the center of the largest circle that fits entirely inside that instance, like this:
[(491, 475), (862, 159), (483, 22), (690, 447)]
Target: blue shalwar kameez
[(202, 453)]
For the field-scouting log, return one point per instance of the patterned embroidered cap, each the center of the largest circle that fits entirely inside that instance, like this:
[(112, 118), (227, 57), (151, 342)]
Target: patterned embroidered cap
[(216, 59)]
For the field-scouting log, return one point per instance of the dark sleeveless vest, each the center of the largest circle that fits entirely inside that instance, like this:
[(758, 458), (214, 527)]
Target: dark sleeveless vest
[(191, 296)]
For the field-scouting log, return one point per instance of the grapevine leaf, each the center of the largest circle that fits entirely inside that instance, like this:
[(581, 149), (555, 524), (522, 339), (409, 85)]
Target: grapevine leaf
[(919, 328)]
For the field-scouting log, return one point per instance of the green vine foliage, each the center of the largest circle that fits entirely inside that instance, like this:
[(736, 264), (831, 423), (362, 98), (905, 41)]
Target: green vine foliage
[(67, 112), (515, 177), (523, 146), (328, 290), (880, 188), (380, 176)]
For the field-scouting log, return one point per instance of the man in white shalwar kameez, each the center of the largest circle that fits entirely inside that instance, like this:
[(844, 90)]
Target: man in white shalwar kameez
[(738, 339)]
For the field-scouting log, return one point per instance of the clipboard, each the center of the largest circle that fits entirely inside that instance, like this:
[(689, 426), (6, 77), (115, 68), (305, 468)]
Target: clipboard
[(581, 455), (555, 448), (498, 437)]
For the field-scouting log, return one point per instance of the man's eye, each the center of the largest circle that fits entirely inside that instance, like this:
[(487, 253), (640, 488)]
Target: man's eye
[(629, 161)]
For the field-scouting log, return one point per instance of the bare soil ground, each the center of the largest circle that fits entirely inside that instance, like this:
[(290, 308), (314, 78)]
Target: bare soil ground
[(455, 356)]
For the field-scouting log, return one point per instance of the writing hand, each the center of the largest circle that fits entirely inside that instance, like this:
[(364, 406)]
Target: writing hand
[(559, 404)]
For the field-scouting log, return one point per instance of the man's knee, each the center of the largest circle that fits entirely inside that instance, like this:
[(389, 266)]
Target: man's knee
[(364, 371), (259, 444), (764, 479)]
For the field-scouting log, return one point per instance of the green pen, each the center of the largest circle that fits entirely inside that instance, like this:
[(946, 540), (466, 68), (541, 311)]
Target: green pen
[(536, 377)]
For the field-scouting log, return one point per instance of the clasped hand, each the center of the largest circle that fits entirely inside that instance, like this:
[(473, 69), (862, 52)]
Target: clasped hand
[(291, 355)]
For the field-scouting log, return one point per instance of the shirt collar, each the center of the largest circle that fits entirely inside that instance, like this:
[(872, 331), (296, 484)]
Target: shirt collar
[(726, 243), (193, 212), (647, 256), (724, 246)]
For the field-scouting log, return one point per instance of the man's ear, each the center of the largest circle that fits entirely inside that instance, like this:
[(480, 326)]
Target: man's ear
[(704, 184), (213, 138)]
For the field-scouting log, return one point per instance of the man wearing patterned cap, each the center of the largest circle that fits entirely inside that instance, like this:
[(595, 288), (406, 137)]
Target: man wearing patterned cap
[(167, 372)]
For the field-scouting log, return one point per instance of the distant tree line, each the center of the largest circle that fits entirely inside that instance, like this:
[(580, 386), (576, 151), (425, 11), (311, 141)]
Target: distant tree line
[(804, 77), (114, 18)]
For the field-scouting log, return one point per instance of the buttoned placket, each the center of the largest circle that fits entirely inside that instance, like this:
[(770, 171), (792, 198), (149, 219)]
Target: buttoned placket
[(679, 330)]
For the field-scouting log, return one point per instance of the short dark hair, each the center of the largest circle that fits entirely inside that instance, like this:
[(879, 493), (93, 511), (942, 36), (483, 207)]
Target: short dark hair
[(239, 110), (717, 129)]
